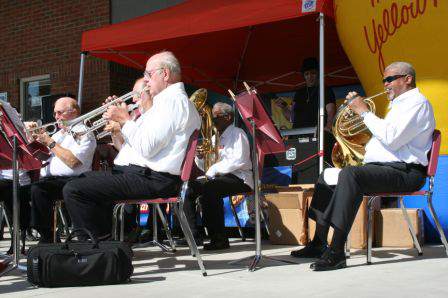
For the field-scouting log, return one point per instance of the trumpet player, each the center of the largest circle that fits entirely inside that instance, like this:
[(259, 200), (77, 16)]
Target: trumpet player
[(144, 102), (395, 160), (158, 140), (69, 158)]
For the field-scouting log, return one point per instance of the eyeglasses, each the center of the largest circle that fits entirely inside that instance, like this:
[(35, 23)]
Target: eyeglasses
[(217, 116), (390, 79), (62, 112), (148, 74)]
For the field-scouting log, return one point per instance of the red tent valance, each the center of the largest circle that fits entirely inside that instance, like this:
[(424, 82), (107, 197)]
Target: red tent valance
[(223, 42)]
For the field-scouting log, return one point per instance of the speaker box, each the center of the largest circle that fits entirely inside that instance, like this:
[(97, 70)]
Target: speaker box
[(299, 151)]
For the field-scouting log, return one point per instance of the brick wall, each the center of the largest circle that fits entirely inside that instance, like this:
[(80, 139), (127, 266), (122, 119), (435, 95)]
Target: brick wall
[(40, 37)]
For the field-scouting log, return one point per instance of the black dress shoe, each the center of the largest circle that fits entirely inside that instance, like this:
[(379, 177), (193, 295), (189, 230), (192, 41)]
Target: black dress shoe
[(182, 242), (217, 244), (330, 260), (309, 251)]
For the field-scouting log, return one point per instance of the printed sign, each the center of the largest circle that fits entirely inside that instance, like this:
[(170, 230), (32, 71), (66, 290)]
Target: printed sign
[(308, 6)]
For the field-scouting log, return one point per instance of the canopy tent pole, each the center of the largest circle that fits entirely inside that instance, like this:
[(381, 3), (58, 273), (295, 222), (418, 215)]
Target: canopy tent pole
[(321, 91), (81, 78), (243, 55)]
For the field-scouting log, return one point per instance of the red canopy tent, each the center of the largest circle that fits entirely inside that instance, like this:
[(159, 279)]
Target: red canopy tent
[(221, 43)]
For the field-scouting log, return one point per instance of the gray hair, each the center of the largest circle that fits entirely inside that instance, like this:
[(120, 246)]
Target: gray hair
[(223, 108), (169, 61), (403, 68)]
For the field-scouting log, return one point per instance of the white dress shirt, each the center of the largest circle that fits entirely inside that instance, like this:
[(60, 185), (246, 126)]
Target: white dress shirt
[(234, 156), (405, 134), (160, 138), (83, 150), (127, 155), (24, 178)]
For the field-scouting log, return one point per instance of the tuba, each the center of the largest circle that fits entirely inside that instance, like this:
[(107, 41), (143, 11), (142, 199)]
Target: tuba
[(210, 150), (351, 135)]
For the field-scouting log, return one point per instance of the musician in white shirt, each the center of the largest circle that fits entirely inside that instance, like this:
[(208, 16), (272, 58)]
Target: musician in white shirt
[(231, 174), (395, 160), (69, 158), (159, 139)]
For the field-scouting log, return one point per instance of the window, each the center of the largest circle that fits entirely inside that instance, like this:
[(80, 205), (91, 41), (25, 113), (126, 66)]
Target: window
[(31, 92)]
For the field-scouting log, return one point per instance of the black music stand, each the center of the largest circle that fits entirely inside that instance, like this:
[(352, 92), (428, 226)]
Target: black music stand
[(266, 139), (16, 152)]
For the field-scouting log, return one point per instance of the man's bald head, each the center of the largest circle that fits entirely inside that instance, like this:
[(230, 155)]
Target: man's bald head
[(67, 108)]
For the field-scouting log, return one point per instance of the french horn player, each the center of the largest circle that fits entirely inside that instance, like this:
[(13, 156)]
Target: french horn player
[(394, 159)]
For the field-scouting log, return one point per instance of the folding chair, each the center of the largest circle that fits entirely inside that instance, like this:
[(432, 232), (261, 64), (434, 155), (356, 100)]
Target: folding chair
[(177, 203), (431, 172)]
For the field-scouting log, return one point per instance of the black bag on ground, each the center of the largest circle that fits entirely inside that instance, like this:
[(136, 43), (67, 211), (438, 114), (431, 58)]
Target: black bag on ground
[(79, 263)]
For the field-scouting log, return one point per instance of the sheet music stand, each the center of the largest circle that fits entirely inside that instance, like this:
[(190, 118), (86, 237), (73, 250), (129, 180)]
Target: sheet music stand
[(266, 139), (16, 152)]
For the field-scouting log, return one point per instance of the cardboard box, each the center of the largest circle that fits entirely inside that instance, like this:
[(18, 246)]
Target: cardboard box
[(288, 220), (358, 232), (391, 229)]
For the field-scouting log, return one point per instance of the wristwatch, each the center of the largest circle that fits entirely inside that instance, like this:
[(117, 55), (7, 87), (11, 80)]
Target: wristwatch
[(52, 144)]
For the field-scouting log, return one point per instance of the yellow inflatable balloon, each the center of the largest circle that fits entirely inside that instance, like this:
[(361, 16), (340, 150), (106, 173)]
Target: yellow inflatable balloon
[(375, 33)]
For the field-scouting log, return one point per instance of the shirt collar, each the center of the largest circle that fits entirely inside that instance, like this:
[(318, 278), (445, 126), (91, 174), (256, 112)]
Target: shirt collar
[(170, 89), (402, 97), (227, 130)]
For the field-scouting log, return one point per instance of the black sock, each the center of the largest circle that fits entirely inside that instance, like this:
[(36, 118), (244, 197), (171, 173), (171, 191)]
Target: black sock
[(320, 236), (338, 241)]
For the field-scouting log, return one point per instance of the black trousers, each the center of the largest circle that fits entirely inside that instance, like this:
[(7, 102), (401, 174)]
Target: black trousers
[(90, 198), (211, 193), (43, 195), (337, 206), (23, 195)]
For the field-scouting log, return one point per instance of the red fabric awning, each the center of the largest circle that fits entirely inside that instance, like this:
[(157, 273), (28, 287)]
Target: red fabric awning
[(219, 42)]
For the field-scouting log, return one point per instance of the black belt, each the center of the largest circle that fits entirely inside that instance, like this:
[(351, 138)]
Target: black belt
[(135, 169)]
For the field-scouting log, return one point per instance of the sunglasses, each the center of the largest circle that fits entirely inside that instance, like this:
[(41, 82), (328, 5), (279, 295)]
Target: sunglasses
[(390, 79)]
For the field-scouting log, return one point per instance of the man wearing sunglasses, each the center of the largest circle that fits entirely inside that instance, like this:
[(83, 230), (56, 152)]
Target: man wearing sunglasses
[(231, 174), (395, 160)]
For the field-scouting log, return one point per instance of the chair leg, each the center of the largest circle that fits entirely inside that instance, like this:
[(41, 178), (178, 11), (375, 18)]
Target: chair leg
[(370, 229), (190, 245), (122, 222), (55, 222), (347, 246), (63, 219), (115, 221), (165, 227), (410, 227), (436, 221), (237, 220), (264, 220), (189, 236)]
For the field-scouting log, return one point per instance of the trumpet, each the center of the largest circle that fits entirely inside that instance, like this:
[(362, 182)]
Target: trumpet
[(100, 123), (49, 128)]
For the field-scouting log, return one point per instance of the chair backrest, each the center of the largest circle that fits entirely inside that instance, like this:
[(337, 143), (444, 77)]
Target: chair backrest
[(188, 162), (434, 153)]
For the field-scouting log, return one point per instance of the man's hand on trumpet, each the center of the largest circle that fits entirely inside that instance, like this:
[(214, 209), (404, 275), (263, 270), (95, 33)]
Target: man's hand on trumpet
[(118, 114), (113, 127), (356, 103)]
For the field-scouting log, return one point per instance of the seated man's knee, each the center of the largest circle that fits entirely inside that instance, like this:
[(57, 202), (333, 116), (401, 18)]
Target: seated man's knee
[(348, 172)]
